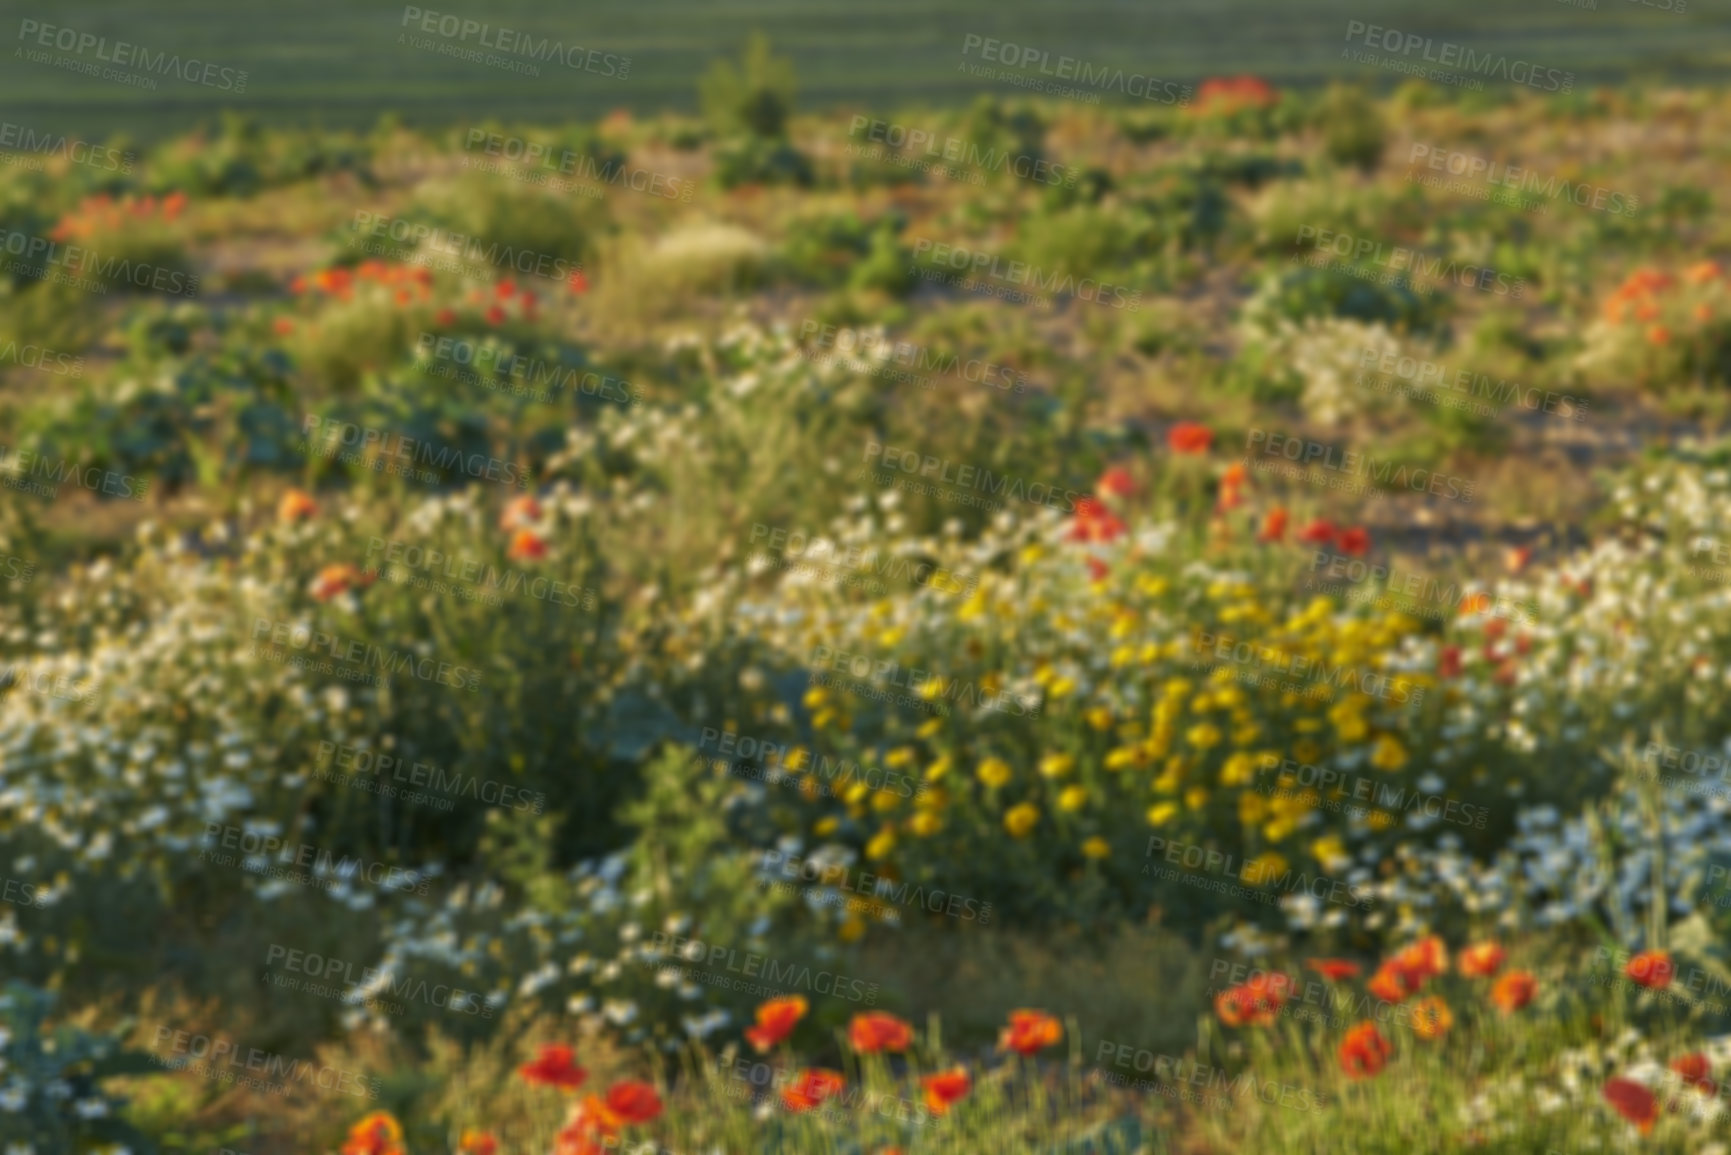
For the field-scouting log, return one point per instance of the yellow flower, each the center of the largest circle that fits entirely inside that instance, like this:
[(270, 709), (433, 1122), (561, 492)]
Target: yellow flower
[(824, 827), (881, 844), (1032, 554), (1100, 718), (1072, 798), (885, 800), (1380, 820), (1161, 813), (938, 769), (1123, 656), (930, 729), (852, 929), (1203, 737), (855, 793), (891, 636), (925, 824), (993, 772), (1306, 752), (1062, 688), (1196, 797), (1329, 851), (1264, 868), (1239, 770), (1021, 819), (1252, 808), (1057, 765), (1124, 757), (1247, 734), (799, 759), (899, 757), (1096, 847), (1388, 753), (1151, 585)]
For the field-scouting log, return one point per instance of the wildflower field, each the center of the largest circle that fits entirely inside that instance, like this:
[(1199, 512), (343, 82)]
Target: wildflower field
[(1185, 625)]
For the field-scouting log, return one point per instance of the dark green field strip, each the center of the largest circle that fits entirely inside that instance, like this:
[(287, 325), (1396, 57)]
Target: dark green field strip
[(340, 63)]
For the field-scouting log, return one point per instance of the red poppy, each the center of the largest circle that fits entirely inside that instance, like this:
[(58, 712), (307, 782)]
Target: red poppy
[(478, 1143), (1116, 482), (1693, 1070), (282, 326), (1189, 437), (1392, 984), (526, 545), (1318, 532), (555, 1066), (1449, 662), (495, 315), (1233, 1006), (445, 318), (335, 579), (810, 1088), (578, 282), (632, 1101), (1030, 1031), (1653, 969), (1513, 991), (1482, 960), (1097, 569), (378, 1133), (1633, 1102), (876, 1031), (1354, 542), (945, 1088), (1094, 522), (776, 1020), (1274, 525), (1334, 969), (1364, 1052)]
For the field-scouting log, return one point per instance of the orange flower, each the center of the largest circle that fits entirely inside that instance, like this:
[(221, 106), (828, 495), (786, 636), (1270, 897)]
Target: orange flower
[(526, 545), (1234, 475), (1094, 522), (1517, 557), (477, 1143), (1097, 569), (336, 578), (1264, 995), (1475, 603), (555, 1066), (591, 1130), (1653, 969), (1703, 312), (1633, 1102), (282, 326), (1364, 1052), (1334, 969), (1232, 1006), (296, 505), (520, 512), (1693, 1070), (445, 318), (1318, 532), (1274, 525), (632, 1101), (1658, 335), (1426, 958), (1189, 437), (578, 282), (1116, 482), (776, 1020), (1354, 542), (1431, 1018), (876, 1031), (1701, 273), (1030, 1031), (810, 1088), (1513, 991), (1482, 960), (945, 1088), (376, 1134), (1391, 984)]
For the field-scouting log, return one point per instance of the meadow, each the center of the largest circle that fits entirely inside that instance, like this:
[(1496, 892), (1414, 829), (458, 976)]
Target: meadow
[(1191, 626)]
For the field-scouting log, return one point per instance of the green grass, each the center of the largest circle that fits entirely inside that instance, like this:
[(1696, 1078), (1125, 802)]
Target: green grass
[(337, 63)]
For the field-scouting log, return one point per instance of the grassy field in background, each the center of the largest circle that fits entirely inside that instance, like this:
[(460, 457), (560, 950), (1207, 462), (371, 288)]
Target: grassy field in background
[(339, 63)]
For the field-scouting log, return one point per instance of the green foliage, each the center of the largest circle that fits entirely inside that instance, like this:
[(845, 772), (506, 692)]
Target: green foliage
[(53, 1099), (755, 97), (1352, 129)]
